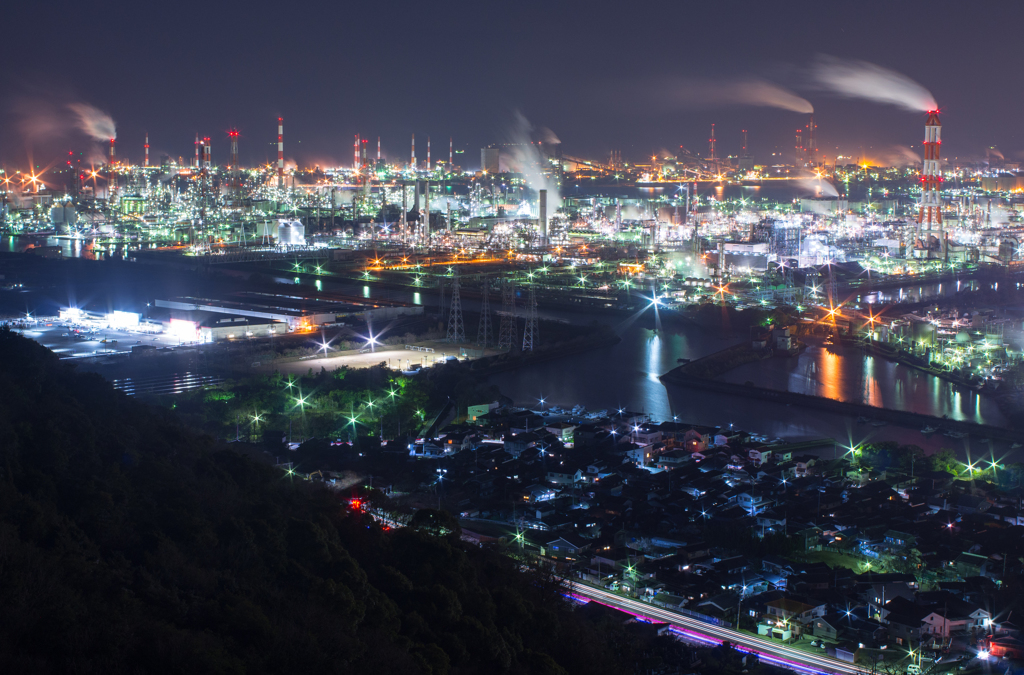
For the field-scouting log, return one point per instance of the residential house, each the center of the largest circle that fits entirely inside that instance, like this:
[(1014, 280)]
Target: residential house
[(791, 609), (971, 565), (752, 503), (568, 548), (563, 431), (564, 474)]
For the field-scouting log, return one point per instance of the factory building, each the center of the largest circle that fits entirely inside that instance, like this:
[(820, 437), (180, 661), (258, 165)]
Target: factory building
[(293, 313), (743, 257), (489, 160)]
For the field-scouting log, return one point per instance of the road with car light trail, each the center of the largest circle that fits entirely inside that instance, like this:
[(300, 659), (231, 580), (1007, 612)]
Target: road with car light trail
[(693, 630)]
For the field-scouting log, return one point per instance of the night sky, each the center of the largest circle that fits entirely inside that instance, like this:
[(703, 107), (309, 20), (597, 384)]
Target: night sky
[(600, 75)]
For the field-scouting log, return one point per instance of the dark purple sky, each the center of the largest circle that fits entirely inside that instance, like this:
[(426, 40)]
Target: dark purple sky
[(596, 73)]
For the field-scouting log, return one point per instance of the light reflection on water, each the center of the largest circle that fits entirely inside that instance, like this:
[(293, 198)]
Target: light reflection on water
[(626, 375), (70, 247), (853, 376)]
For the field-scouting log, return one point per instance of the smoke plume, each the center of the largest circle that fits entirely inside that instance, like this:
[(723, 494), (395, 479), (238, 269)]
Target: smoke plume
[(96, 124), (818, 186), (524, 156), (860, 79), (898, 155), (744, 92)]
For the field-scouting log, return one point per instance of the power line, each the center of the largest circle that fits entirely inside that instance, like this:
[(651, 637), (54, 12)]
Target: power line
[(483, 334), (530, 332), (509, 324)]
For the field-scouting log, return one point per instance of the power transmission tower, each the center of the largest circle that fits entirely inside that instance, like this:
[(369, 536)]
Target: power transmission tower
[(456, 331), (509, 324), (530, 333), (483, 334)]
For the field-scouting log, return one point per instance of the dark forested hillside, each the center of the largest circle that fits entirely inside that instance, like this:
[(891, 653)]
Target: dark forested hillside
[(130, 544)]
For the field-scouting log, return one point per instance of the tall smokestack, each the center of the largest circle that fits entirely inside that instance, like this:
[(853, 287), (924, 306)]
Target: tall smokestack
[(145, 162), (112, 180), (412, 162), (280, 152), (378, 149), (542, 215), (196, 160), (428, 153), (931, 178), (426, 221), (233, 134), (355, 153), (711, 145), (451, 154), (207, 162)]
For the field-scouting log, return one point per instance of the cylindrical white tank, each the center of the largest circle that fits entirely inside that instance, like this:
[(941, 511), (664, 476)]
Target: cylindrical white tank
[(291, 233)]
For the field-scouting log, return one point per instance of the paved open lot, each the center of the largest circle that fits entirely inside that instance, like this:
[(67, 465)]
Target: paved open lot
[(61, 338), (397, 358)]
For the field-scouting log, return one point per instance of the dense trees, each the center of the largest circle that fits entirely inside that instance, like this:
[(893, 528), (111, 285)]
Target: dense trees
[(129, 543)]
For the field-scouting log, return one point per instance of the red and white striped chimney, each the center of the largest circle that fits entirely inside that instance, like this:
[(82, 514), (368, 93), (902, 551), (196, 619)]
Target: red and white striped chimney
[(412, 162), (145, 162), (280, 152)]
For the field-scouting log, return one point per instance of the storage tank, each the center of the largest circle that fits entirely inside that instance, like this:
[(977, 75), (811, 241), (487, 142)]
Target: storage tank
[(291, 233), (63, 217)]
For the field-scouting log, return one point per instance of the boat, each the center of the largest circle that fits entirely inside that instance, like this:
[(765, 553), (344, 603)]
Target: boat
[(929, 429), (955, 434)]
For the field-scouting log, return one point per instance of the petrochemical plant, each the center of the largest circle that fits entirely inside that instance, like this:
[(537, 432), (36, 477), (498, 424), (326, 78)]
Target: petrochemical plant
[(685, 225)]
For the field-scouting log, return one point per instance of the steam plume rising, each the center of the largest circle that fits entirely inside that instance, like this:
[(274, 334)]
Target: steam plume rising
[(860, 79), (818, 186), (525, 157), (97, 124), (748, 92)]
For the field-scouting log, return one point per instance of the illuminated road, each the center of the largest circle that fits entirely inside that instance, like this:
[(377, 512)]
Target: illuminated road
[(693, 630)]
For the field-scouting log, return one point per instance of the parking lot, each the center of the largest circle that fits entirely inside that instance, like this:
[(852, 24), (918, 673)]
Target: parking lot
[(83, 340)]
